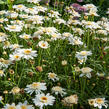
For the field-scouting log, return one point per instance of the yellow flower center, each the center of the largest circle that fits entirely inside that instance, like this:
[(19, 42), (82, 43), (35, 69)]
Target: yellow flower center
[(1, 72), (89, 23), (26, 37), (31, 9), (27, 51), (13, 27), (20, 6), (83, 53), (100, 101), (1, 34), (16, 56), (52, 75), (12, 107), (23, 107), (43, 44), (34, 85), (54, 35), (44, 99), (1, 20), (57, 89)]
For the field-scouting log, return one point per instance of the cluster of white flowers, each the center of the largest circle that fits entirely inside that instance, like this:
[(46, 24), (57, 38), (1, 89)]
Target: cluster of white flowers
[(98, 102), (23, 53), (82, 56)]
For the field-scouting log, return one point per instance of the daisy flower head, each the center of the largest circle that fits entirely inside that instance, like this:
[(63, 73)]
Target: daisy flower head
[(4, 63), (12, 14), (15, 90), (2, 73), (91, 102), (53, 76), (58, 90), (11, 106), (25, 36), (14, 28), (6, 44), (60, 21), (99, 102), (27, 53), (2, 20), (42, 100), (25, 105), (43, 44), (41, 8), (75, 40), (54, 14), (82, 56), (15, 46), (36, 87), (15, 57), (19, 7), (66, 35), (55, 36), (3, 37), (86, 72), (78, 31), (32, 11), (35, 19), (70, 100)]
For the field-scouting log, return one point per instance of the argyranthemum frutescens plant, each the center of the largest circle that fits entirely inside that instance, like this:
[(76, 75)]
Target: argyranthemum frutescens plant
[(53, 58)]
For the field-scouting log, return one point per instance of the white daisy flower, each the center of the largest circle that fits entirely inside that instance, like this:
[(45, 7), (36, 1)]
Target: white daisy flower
[(75, 40), (60, 21), (83, 55), (86, 72), (66, 35), (43, 44), (19, 7), (54, 14), (14, 28), (24, 16), (59, 90), (15, 46), (99, 102), (32, 11), (42, 100), (2, 20), (15, 57), (2, 73), (3, 37), (36, 87), (25, 105), (53, 76), (4, 63), (35, 19), (11, 106), (27, 53), (41, 8), (25, 36), (15, 90)]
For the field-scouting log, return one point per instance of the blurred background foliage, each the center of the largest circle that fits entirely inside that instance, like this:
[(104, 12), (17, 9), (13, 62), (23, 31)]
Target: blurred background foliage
[(101, 4)]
